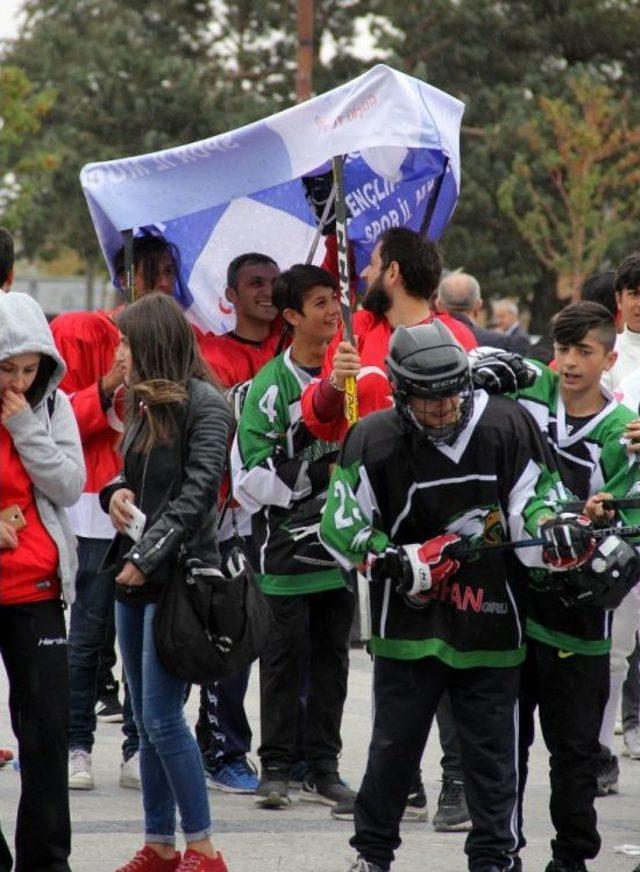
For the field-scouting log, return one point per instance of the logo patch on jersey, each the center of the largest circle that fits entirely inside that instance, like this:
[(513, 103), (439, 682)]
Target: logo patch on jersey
[(480, 526)]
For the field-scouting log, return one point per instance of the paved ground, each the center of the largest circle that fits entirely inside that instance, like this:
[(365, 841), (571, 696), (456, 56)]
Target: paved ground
[(106, 821)]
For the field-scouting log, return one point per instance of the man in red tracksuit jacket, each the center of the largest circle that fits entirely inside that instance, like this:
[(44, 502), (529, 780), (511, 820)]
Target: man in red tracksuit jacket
[(87, 342), (402, 279)]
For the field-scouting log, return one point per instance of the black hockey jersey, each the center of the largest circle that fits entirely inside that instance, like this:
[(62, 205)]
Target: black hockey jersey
[(495, 483)]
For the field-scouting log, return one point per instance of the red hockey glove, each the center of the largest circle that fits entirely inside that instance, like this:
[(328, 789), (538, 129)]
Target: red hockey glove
[(568, 541), (425, 565)]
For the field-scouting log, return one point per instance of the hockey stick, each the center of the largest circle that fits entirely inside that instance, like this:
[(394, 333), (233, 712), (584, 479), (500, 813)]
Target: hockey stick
[(433, 199), (601, 533), (323, 221), (350, 395)]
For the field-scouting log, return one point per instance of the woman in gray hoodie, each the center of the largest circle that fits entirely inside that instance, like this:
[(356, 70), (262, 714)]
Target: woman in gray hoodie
[(41, 472)]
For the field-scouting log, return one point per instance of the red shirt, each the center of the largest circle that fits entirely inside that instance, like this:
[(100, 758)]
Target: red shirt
[(234, 359), (28, 573), (374, 391)]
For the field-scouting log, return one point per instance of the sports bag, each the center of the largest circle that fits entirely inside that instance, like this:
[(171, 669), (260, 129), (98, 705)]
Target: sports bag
[(211, 622)]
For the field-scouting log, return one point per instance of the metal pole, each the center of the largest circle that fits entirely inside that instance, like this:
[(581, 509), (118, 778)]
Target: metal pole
[(304, 71)]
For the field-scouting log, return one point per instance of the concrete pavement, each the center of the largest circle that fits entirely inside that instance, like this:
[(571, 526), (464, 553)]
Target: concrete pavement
[(106, 821)]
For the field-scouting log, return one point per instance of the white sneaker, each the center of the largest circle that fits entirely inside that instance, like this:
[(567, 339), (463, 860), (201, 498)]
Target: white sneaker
[(631, 747), (80, 774), (130, 772)]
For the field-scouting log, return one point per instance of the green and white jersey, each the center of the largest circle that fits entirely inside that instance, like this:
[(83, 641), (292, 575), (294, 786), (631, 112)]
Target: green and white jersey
[(280, 474), (494, 484), (591, 456)]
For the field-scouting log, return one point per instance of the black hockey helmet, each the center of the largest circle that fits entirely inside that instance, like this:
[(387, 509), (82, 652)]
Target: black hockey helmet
[(603, 582), (427, 362)]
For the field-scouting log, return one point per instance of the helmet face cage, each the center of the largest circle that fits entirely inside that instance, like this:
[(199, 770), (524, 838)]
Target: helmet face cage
[(404, 389)]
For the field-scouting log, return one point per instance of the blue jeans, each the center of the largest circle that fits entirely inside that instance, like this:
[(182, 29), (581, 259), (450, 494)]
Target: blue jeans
[(90, 616), (171, 767)]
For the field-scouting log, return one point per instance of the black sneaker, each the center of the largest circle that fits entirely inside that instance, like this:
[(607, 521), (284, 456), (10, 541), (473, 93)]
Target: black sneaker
[(273, 790), (452, 813), (109, 710), (327, 789), (416, 808), (299, 772), (608, 773), (565, 866)]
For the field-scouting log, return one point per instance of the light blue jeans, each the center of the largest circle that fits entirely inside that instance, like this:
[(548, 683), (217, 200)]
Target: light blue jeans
[(171, 767)]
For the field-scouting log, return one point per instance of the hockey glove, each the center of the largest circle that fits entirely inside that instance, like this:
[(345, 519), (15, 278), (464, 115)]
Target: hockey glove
[(423, 566), (568, 541), (236, 395), (500, 372)]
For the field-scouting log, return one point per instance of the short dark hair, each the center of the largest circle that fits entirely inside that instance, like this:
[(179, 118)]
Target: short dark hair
[(291, 286), (147, 251), (628, 273), (599, 288), (7, 255), (571, 324), (419, 260), (251, 258)]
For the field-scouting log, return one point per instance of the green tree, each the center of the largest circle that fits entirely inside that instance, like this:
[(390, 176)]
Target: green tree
[(22, 160), (571, 191)]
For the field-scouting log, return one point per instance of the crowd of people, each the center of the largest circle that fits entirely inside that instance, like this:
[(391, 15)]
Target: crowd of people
[(482, 502)]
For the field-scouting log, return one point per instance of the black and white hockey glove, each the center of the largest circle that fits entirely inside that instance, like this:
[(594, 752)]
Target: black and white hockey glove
[(568, 541), (604, 580), (499, 372), (416, 568)]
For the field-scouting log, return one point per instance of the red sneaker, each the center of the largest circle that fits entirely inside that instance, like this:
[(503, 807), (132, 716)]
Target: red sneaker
[(193, 861), (5, 757), (147, 860)]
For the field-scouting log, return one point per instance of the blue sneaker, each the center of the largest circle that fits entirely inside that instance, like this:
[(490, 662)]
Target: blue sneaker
[(236, 776)]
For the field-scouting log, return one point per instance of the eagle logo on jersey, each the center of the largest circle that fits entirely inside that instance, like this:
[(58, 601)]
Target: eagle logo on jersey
[(479, 526)]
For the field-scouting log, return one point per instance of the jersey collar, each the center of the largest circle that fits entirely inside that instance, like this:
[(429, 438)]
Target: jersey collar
[(565, 439)]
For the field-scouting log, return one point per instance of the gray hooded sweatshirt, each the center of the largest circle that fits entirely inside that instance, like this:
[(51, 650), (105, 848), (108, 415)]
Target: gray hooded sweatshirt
[(45, 435)]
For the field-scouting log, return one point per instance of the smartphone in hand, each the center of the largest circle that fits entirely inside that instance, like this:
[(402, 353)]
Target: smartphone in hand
[(13, 515)]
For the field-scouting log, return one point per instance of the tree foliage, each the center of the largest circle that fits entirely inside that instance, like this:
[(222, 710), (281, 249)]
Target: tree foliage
[(571, 191), (23, 110)]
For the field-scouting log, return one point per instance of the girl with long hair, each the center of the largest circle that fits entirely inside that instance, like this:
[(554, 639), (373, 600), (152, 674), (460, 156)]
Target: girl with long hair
[(174, 450)]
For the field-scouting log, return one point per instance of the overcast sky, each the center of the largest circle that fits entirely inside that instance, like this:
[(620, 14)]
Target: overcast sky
[(8, 13)]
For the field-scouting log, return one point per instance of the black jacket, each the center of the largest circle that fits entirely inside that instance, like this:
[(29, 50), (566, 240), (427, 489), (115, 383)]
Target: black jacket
[(178, 492), (516, 344)]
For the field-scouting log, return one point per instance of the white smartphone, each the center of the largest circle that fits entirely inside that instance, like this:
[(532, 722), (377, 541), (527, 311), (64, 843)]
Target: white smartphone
[(136, 527)]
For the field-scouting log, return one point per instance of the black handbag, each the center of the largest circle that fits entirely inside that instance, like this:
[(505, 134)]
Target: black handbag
[(211, 621)]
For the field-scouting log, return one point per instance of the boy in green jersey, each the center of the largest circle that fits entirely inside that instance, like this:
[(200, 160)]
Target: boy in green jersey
[(280, 474), (566, 673)]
